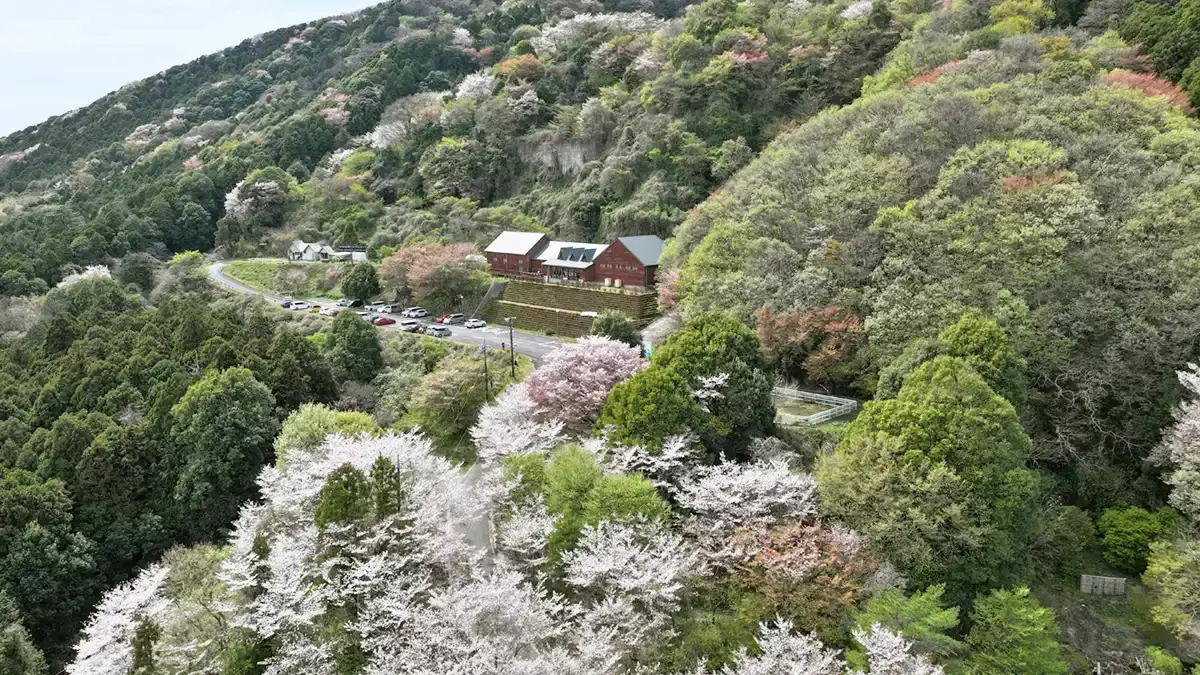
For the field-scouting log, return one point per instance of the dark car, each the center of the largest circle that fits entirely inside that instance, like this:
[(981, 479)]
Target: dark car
[(286, 304), (355, 303), (383, 321)]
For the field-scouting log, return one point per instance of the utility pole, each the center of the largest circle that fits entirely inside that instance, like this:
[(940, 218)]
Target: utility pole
[(487, 379), (512, 348)]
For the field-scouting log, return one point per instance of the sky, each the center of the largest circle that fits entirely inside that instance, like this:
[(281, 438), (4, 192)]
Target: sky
[(58, 55)]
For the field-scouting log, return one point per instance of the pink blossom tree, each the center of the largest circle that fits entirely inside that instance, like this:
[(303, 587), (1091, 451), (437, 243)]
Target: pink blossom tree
[(573, 382)]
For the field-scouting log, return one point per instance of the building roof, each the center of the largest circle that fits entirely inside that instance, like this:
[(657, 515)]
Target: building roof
[(515, 243), (647, 248), (575, 264), (559, 251)]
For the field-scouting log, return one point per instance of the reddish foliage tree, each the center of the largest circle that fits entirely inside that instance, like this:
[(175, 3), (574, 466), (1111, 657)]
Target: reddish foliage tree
[(415, 268), (933, 75), (1151, 85), (814, 345)]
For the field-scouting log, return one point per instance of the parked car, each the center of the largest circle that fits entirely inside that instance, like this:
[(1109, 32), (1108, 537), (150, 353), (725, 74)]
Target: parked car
[(331, 311), (410, 325), (286, 304), (343, 303), (454, 319), (355, 303), (376, 305), (390, 309), (314, 308), (383, 321), (437, 331), (299, 306), (475, 323), (416, 313), (442, 318)]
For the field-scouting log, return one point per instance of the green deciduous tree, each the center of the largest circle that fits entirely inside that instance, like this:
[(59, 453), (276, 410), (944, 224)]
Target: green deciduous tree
[(353, 349), (1012, 634), (297, 373), (617, 325), (921, 618), (936, 478), (361, 282), (222, 435), (1126, 535)]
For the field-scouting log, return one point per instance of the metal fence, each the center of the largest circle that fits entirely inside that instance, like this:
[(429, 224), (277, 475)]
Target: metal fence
[(1101, 585), (838, 406)]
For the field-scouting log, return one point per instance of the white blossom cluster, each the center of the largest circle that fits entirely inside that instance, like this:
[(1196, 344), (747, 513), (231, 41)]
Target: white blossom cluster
[(90, 272), (509, 426), (106, 644), (422, 593), (582, 27), (1180, 448), (243, 201), (783, 652), (857, 10), (476, 87)]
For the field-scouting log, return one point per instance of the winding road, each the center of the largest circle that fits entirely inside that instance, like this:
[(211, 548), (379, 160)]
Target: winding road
[(532, 345)]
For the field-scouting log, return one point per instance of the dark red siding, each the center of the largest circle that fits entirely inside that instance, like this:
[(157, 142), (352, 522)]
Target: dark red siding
[(616, 262)]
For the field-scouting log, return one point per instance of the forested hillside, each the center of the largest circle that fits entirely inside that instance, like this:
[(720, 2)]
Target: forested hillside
[(979, 217)]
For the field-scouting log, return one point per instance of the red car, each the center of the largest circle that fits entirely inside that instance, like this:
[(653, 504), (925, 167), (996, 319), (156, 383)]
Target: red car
[(442, 318), (383, 321)]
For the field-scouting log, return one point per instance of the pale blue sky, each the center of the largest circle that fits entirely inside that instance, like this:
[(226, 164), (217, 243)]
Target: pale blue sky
[(57, 55)]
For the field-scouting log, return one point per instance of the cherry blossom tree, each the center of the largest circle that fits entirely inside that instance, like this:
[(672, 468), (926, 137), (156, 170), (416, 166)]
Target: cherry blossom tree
[(1180, 448), (574, 380), (783, 652), (106, 646), (508, 427), (90, 272)]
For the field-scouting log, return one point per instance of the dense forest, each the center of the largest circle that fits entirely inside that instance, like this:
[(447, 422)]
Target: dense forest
[(977, 216)]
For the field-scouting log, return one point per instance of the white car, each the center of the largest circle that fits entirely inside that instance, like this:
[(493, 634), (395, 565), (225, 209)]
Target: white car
[(331, 311), (416, 313), (300, 306), (390, 309), (376, 306), (410, 325), (475, 323)]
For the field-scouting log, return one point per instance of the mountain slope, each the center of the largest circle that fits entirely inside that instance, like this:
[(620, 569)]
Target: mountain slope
[(412, 121), (1024, 175)]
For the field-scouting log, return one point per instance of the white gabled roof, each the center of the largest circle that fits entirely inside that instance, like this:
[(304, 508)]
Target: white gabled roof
[(515, 243)]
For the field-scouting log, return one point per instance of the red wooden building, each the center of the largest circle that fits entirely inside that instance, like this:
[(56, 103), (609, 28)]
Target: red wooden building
[(628, 261)]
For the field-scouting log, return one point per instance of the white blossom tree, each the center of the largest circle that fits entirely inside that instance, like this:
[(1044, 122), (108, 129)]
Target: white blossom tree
[(89, 272), (1180, 448), (783, 652), (476, 87), (509, 427), (106, 646)]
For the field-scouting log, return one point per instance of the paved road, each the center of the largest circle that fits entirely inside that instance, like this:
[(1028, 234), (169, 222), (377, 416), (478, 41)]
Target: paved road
[(530, 344)]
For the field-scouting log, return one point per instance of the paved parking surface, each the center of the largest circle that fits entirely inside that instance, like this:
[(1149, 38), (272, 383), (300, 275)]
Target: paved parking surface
[(532, 345)]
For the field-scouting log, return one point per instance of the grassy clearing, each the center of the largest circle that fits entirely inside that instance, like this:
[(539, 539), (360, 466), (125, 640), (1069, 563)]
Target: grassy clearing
[(800, 408), (322, 279)]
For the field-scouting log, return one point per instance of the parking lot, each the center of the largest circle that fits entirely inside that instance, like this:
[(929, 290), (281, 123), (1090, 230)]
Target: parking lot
[(532, 345)]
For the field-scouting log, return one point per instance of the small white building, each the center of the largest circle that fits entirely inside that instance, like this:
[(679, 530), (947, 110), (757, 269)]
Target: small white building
[(300, 250)]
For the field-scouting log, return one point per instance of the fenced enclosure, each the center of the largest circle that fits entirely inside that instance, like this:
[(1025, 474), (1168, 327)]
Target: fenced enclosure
[(820, 408), (1101, 585)]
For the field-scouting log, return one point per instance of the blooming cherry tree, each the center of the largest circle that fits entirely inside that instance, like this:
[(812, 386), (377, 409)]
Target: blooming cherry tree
[(508, 427), (106, 647), (574, 380)]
